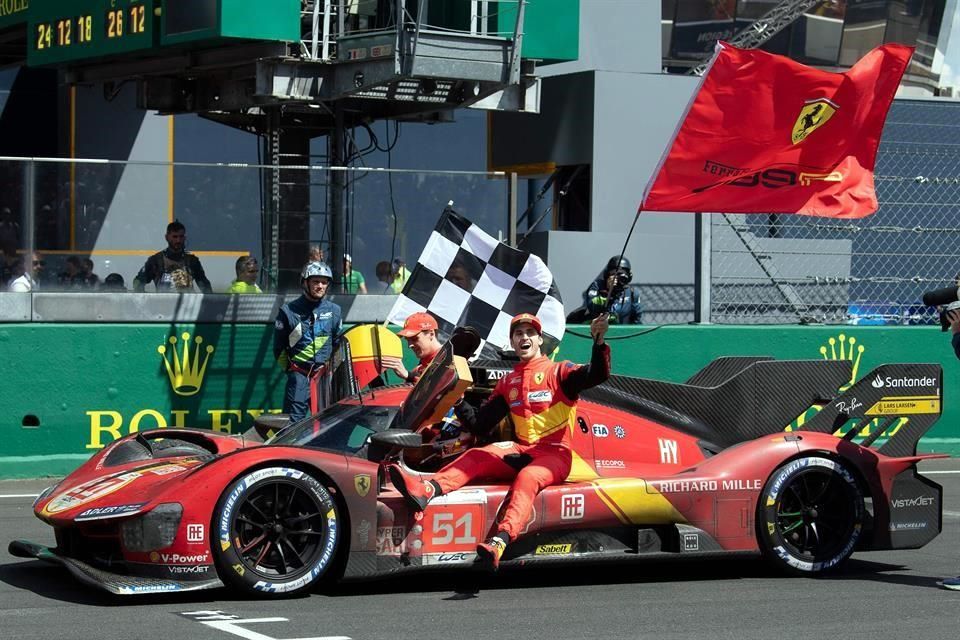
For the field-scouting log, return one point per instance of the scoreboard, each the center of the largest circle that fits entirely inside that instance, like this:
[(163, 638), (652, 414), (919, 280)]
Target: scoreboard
[(66, 31)]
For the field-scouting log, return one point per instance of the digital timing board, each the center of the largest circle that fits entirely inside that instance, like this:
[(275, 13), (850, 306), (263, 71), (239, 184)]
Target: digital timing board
[(68, 30)]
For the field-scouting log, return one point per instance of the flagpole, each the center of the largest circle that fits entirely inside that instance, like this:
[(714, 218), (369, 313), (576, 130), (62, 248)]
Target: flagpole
[(702, 275), (611, 298)]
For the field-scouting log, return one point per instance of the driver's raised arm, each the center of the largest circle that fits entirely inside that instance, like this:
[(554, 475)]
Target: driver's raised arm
[(481, 421)]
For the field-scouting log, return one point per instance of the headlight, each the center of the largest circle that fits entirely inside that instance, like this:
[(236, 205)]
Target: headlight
[(46, 492), (153, 530)]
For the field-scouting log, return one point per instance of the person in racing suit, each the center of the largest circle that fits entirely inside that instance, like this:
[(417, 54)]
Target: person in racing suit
[(305, 334), (541, 397), (420, 331)]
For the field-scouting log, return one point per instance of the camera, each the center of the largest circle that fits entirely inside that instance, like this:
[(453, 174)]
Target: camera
[(620, 281), (947, 299)]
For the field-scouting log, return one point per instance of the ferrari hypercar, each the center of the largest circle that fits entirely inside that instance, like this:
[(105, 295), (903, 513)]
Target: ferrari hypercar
[(715, 465)]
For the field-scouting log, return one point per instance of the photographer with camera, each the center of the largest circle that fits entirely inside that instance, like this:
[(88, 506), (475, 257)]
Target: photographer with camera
[(946, 299), (612, 292)]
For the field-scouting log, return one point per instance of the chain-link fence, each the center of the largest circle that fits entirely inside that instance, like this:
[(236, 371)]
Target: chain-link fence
[(788, 269)]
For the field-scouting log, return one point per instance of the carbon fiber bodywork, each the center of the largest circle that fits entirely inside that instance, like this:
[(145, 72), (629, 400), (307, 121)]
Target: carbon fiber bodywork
[(760, 398)]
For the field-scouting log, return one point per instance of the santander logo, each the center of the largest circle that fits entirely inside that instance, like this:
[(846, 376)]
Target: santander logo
[(877, 382)]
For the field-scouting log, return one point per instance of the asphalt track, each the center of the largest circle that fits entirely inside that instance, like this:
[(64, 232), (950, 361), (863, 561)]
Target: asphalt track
[(877, 595)]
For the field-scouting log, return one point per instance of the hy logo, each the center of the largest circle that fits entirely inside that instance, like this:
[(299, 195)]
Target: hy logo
[(186, 371), (844, 348)]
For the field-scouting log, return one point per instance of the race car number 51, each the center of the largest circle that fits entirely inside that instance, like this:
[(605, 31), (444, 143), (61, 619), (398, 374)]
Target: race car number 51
[(455, 528)]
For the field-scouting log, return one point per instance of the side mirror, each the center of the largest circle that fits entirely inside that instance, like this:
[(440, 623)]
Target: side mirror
[(397, 438), (269, 424)]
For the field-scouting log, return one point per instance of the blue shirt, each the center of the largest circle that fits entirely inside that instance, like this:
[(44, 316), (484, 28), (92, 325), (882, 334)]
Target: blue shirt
[(306, 332)]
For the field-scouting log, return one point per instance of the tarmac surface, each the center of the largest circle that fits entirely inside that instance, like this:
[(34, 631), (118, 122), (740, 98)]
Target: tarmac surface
[(876, 595)]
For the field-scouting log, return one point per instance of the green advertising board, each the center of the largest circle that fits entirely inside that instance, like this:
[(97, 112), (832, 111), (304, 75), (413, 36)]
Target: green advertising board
[(13, 12), (184, 21), (70, 390)]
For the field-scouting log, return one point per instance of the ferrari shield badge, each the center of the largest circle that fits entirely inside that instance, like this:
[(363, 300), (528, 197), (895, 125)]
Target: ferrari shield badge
[(813, 115), (361, 483), (538, 377)]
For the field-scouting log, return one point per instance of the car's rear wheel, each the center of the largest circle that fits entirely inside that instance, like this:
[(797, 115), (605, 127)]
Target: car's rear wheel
[(277, 532), (810, 515)]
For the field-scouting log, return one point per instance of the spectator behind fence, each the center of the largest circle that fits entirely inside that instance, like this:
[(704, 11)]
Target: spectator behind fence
[(29, 280), (7, 261), (113, 282), (174, 268), (9, 233), (14, 270), (247, 270), (88, 279), (315, 254), (70, 277), (352, 281), (394, 276)]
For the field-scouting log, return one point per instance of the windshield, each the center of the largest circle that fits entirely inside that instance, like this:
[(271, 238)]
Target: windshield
[(341, 427)]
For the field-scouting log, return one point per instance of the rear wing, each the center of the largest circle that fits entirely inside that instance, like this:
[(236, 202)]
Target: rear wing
[(890, 408)]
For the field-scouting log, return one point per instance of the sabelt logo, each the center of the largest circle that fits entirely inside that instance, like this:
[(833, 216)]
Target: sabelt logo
[(899, 383), (553, 549)]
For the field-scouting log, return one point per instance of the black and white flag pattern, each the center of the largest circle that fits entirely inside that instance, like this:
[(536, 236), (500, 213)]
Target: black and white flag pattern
[(465, 277)]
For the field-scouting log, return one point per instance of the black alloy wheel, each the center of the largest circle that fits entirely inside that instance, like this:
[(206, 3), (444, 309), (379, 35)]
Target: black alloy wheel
[(277, 531), (810, 515)]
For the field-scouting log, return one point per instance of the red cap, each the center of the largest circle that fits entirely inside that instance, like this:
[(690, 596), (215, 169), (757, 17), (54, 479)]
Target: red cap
[(417, 322), (526, 317)]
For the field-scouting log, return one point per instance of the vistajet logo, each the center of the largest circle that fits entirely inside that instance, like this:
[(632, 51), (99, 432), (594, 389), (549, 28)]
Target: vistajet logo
[(899, 383)]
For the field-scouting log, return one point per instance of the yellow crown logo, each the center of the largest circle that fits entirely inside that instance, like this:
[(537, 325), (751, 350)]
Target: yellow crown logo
[(185, 372), (843, 348)]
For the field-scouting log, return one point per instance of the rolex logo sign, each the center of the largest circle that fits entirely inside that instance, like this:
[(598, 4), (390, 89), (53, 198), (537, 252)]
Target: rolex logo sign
[(844, 348), (185, 369)]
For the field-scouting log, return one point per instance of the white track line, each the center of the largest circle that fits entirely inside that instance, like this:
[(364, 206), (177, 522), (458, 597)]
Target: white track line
[(19, 495)]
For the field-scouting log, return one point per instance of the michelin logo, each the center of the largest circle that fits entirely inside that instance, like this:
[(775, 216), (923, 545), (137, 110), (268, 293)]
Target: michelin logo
[(896, 383)]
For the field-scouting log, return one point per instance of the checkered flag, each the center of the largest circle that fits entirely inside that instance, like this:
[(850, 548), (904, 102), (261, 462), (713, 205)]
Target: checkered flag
[(466, 278)]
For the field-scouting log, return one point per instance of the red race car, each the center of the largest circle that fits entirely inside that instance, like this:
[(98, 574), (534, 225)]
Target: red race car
[(660, 469)]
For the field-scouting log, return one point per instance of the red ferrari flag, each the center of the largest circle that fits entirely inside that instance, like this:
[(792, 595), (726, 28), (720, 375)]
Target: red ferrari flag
[(765, 134)]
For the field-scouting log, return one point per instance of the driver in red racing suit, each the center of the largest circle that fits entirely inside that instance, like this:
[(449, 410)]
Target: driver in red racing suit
[(541, 396)]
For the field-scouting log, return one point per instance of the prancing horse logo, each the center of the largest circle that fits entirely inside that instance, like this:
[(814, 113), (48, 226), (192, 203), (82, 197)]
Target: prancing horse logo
[(813, 115), (362, 484)]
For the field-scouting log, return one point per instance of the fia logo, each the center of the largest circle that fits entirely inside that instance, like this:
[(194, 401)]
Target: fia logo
[(600, 431), (571, 506)]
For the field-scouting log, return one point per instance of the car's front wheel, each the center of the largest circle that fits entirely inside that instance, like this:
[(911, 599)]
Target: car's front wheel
[(810, 515), (277, 532)]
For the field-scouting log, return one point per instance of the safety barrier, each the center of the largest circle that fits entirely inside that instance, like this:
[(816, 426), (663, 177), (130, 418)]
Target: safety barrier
[(71, 389)]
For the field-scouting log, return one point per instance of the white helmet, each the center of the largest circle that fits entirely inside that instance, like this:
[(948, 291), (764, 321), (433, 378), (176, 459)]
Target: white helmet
[(312, 269)]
